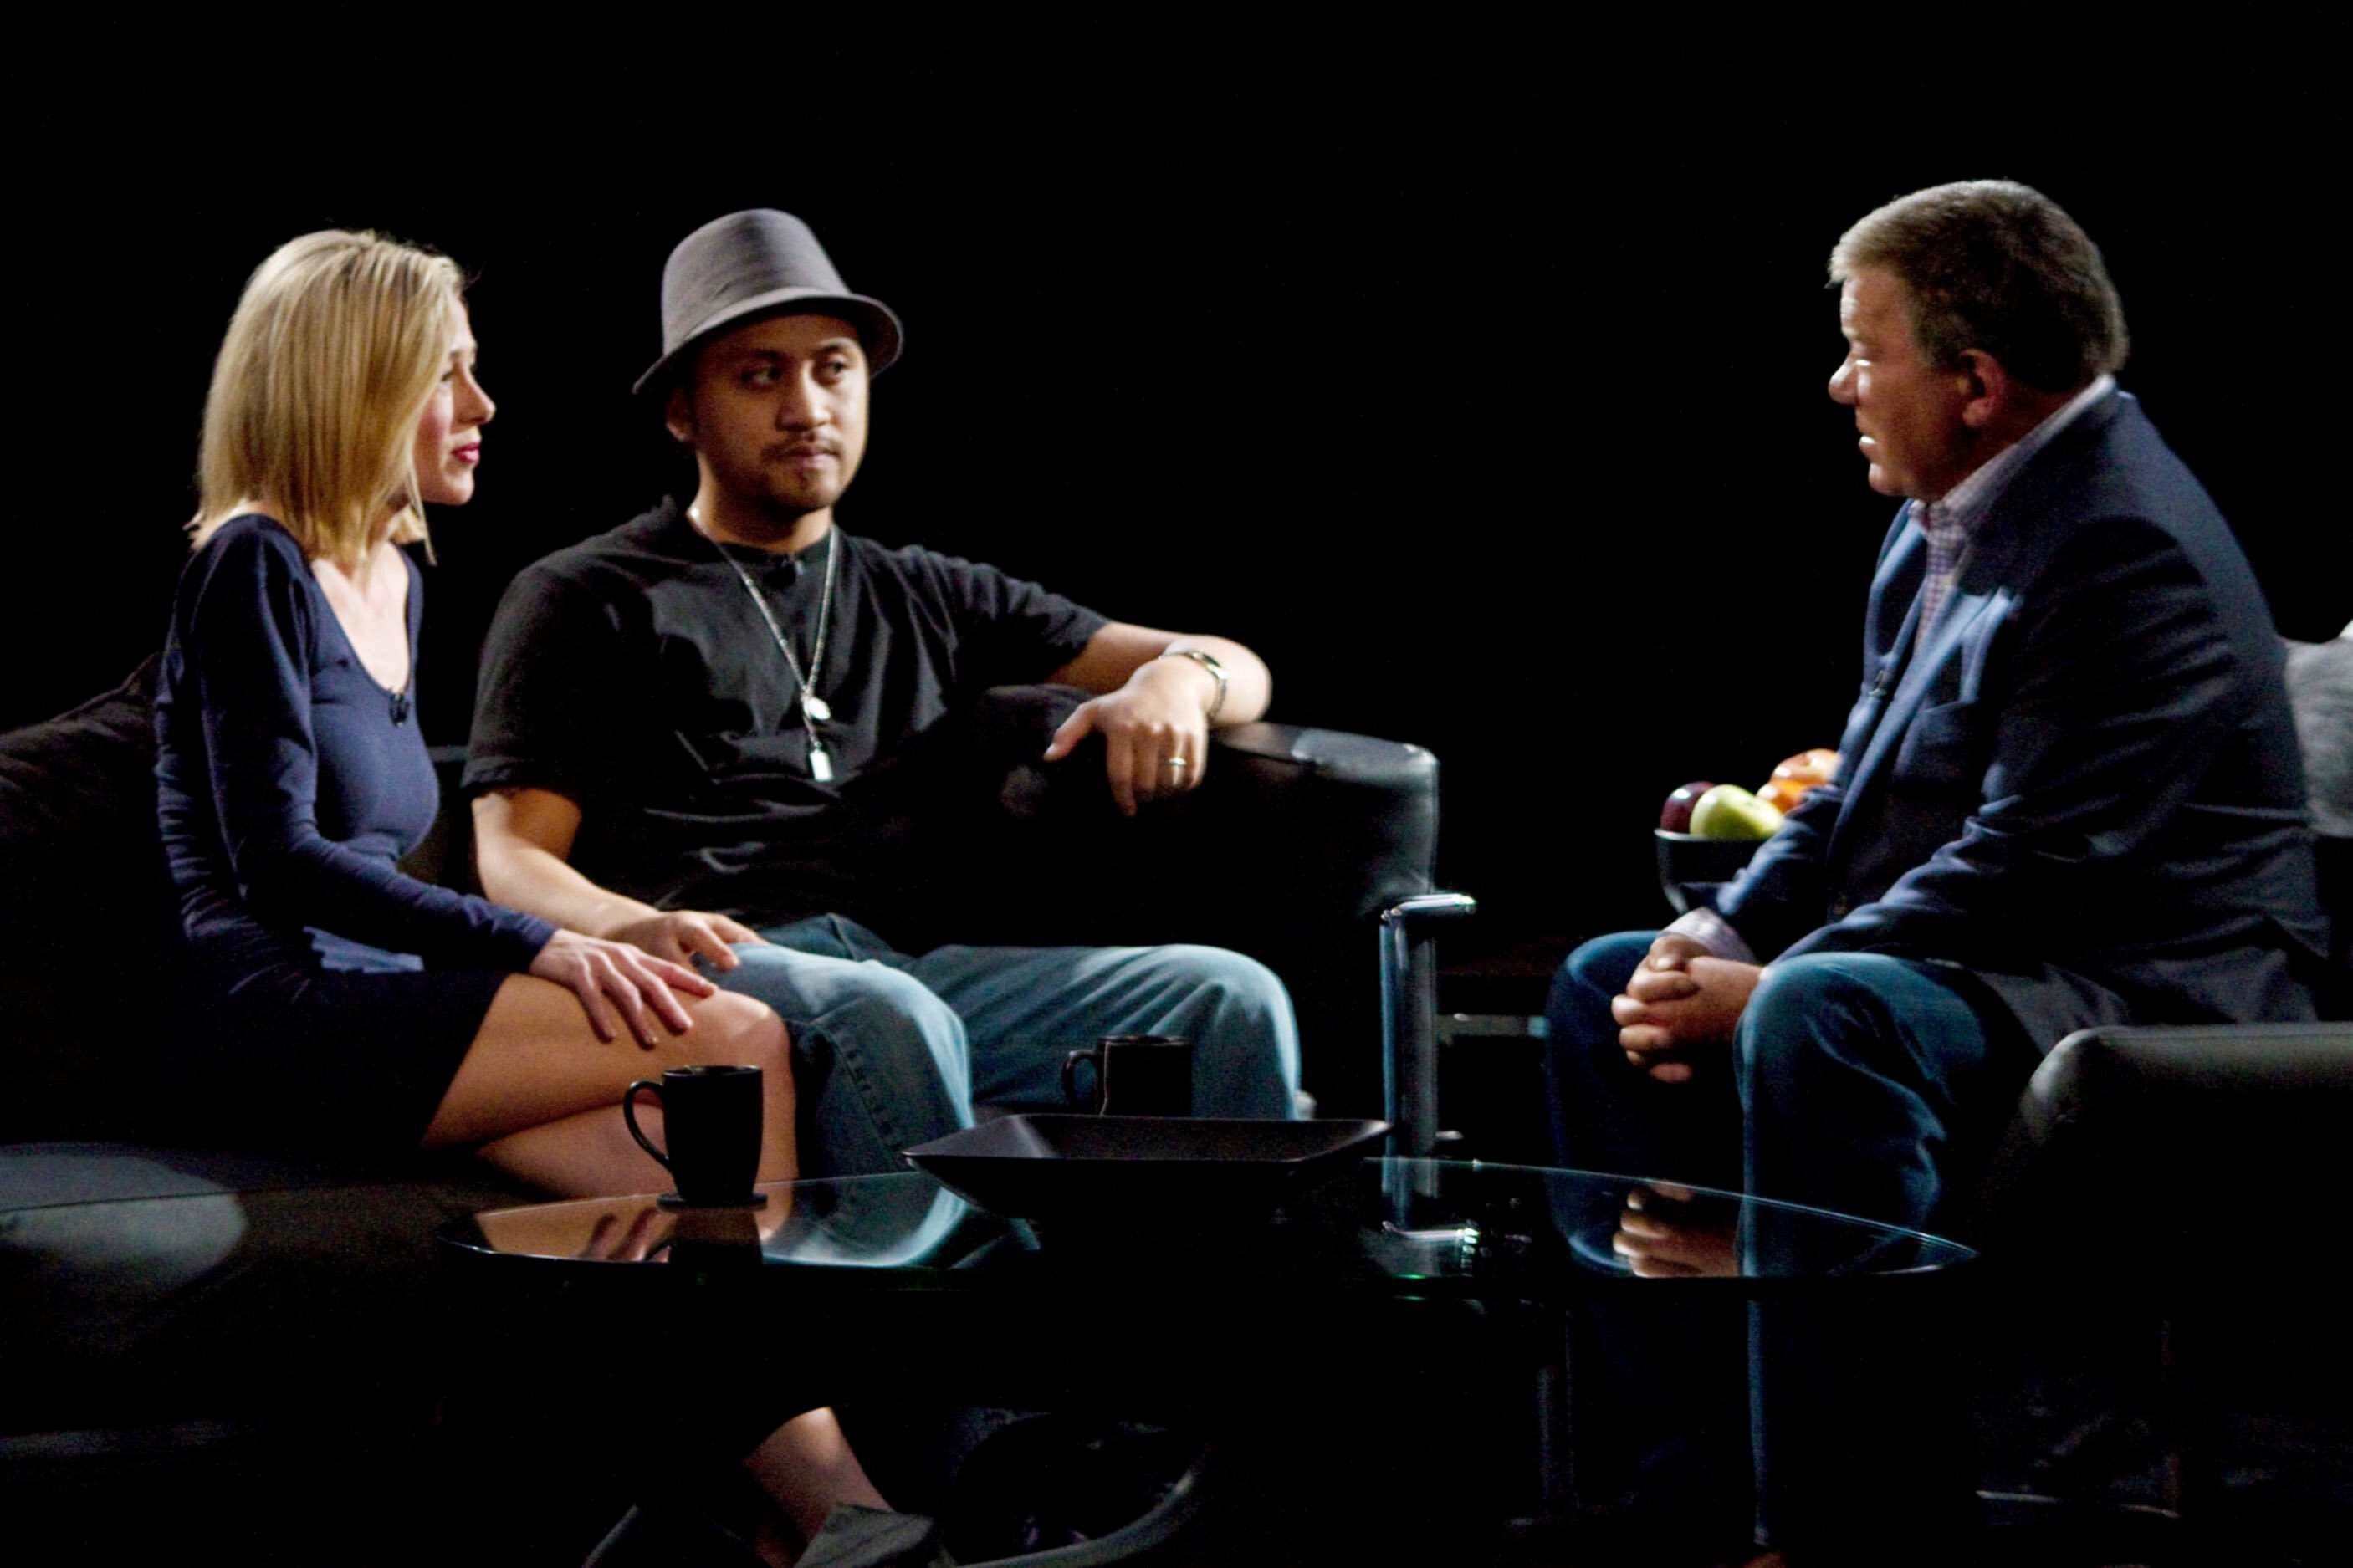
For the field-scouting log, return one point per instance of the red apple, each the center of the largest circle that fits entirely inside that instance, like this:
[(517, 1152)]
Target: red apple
[(1675, 816)]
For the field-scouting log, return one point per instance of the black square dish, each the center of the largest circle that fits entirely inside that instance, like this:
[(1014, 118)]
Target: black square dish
[(1051, 1166)]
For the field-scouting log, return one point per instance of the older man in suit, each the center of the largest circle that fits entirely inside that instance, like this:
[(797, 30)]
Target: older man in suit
[(2069, 792)]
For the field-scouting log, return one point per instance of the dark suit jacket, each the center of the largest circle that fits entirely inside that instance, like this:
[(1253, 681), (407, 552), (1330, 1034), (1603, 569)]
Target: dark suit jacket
[(2085, 786)]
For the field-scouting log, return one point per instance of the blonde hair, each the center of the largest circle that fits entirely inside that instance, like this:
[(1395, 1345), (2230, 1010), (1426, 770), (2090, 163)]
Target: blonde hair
[(326, 368)]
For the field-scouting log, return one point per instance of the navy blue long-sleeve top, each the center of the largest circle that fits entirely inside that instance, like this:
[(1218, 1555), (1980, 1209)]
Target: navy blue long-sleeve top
[(289, 786)]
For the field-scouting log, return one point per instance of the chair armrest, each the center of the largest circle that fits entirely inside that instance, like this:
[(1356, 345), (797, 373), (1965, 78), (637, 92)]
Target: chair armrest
[(1290, 824), (1354, 814), (2150, 1150), (1410, 1018), (1296, 842), (2166, 1078)]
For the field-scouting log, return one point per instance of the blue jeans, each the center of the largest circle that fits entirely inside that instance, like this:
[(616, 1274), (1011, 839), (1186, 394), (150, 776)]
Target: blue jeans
[(1855, 1083), (890, 1050)]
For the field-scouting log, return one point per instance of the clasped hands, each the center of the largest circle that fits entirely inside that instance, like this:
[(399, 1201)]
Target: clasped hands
[(1680, 1001), (1156, 732), (1668, 1232)]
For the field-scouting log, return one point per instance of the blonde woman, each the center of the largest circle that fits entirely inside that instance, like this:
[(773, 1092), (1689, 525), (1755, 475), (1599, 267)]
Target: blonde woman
[(339, 1002)]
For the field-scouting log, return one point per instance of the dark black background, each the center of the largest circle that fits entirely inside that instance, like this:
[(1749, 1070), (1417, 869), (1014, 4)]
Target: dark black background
[(1475, 380)]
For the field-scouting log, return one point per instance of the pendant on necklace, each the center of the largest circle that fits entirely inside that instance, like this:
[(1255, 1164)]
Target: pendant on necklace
[(820, 763), (817, 707)]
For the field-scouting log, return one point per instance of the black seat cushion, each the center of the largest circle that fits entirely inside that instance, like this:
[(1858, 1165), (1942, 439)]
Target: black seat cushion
[(142, 1283)]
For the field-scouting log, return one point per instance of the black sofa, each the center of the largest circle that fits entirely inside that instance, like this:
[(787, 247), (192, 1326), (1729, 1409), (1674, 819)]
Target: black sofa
[(204, 1344)]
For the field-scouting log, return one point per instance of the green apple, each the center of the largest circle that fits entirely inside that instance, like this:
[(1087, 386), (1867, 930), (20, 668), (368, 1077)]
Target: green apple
[(1727, 810)]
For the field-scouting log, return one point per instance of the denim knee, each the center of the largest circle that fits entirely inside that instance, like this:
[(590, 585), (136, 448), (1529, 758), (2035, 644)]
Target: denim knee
[(879, 1003), (1608, 962), (1821, 1007), (1593, 1099), (836, 1007), (1245, 1022), (801, 986), (1577, 1011), (894, 1066), (1852, 1067), (1235, 984)]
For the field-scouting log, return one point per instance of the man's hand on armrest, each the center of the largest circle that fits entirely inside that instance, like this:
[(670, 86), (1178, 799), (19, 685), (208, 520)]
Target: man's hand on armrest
[(522, 847), (1155, 710)]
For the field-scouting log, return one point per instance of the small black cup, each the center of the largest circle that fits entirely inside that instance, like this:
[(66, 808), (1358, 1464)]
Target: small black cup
[(712, 1122), (1136, 1075)]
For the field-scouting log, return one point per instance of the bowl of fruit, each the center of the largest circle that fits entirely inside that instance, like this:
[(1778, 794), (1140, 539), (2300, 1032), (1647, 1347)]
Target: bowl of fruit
[(1707, 831)]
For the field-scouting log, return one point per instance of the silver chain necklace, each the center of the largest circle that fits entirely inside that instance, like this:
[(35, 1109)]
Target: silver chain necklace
[(815, 710)]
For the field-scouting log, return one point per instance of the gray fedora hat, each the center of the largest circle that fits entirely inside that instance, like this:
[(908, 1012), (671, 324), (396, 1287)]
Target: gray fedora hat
[(762, 262)]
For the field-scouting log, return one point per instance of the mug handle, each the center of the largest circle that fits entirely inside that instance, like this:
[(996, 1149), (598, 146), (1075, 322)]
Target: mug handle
[(629, 1115), (1071, 1073)]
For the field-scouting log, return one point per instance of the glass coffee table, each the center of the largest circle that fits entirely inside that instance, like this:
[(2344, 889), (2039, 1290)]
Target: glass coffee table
[(1356, 1361)]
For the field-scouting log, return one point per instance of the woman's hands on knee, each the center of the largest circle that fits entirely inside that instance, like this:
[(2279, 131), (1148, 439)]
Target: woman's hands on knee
[(620, 984), (684, 935)]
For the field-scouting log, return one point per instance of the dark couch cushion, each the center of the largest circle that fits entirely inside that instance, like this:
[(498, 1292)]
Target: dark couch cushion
[(144, 1283), (86, 922)]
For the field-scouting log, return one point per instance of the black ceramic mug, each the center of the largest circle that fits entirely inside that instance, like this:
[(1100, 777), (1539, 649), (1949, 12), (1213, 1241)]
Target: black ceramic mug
[(1136, 1075), (712, 1122)]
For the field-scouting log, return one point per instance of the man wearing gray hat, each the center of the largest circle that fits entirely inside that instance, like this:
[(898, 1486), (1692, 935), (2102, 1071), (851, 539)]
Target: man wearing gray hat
[(678, 720)]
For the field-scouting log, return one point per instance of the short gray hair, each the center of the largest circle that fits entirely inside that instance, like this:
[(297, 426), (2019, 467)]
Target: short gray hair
[(1995, 266)]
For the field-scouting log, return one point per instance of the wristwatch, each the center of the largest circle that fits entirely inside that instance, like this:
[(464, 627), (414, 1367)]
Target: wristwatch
[(1217, 673)]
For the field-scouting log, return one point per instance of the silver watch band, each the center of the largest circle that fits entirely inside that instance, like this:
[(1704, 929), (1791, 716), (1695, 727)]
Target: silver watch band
[(1217, 673)]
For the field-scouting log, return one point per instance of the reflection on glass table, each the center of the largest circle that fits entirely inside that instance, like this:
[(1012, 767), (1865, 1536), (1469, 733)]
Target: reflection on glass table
[(1353, 1359), (1427, 1227)]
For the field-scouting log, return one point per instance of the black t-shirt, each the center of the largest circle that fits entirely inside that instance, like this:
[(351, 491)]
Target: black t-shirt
[(634, 674)]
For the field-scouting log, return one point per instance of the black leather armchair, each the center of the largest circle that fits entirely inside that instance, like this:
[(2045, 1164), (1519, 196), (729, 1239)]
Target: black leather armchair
[(2160, 1173), (2136, 1149)]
